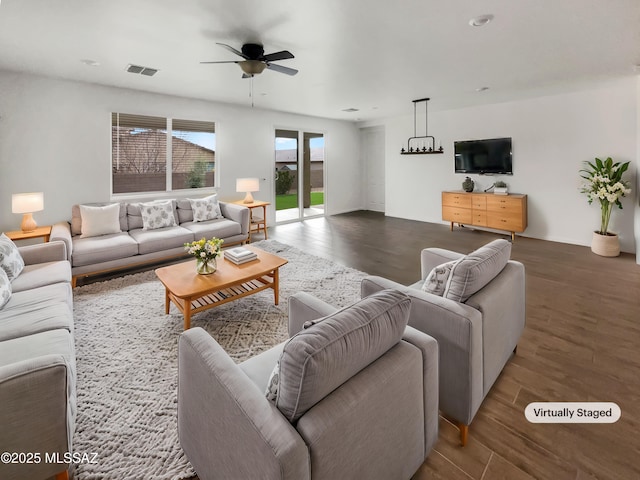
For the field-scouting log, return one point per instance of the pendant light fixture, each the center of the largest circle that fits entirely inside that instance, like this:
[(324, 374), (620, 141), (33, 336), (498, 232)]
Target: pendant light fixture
[(421, 145)]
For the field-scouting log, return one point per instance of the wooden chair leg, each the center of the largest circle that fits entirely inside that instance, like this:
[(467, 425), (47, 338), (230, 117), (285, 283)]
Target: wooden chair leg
[(464, 434), (63, 475)]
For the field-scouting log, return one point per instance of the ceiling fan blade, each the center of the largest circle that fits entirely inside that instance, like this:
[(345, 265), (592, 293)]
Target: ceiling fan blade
[(274, 57), (281, 69), (231, 49), (227, 61)]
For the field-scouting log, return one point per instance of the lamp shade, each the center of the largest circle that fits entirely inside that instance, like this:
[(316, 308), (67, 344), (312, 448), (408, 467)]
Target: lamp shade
[(247, 185), (27, 202)]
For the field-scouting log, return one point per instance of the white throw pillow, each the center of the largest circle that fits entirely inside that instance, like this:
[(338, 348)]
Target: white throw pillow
[(98, 221), (157, 215), (5, 288), (436, 281), (205, 209), (10, 259)]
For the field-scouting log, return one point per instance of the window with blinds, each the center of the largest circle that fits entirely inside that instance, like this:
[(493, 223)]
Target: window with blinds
[(155, 154)]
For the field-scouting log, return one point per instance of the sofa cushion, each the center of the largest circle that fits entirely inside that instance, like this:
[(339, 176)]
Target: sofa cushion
[(160, 239), (10, 259), (53, 347), (76, 217), (89, 251), (316, 361), (436, 281), (183, 211), (37, 310), (5, 288), (205, 208), (52, 342), (473, 271), (41, 274), (100, 220), (221, 228), (134, 214)]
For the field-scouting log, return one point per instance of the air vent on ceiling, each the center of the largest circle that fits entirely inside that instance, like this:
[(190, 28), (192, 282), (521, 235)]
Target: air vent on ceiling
[(350, 110), (149, 72)]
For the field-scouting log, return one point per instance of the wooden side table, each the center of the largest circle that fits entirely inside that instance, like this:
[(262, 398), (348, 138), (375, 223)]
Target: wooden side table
[(44, 232), (256, 224)]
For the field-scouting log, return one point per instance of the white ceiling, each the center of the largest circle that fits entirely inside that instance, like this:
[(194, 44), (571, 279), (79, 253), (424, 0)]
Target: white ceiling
[(372, 55)]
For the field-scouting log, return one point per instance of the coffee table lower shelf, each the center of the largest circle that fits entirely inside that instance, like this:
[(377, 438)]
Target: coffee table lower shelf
[(190, 305)]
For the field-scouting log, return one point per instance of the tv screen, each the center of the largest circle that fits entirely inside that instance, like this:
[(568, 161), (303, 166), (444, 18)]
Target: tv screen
[(484, 156)]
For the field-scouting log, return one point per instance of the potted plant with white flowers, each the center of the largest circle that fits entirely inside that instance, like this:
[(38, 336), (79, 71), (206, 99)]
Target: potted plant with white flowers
[(603, 182), (206, 252)]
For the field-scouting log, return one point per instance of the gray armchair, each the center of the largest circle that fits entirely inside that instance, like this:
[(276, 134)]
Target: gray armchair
[(357, 397), (476, 336)]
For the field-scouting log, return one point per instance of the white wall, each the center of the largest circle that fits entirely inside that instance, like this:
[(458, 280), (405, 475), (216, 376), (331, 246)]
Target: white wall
[(551, 135), (55, 137)]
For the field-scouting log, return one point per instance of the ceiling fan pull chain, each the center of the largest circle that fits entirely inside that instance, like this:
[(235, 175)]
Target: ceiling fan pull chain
[(251, 91)]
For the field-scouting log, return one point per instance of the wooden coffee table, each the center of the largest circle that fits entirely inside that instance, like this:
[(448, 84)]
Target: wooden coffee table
[(193, 293)]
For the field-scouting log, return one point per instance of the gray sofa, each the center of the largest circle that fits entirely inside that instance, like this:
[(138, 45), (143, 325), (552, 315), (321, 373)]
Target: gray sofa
[(136, 246), (37, 365), (357, 397), (477, 332)]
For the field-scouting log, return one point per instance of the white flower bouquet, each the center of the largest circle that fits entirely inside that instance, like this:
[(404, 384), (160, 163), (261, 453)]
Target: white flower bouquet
[(205, 250), (603, 182)]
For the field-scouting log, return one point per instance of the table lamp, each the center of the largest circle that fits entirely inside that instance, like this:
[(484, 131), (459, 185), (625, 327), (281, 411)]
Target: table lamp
[(247, 185), (27, 203)]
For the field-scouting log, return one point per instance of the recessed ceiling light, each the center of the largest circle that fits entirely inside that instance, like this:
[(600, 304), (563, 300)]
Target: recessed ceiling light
[(91, 63), (482, 89), (481, 20)]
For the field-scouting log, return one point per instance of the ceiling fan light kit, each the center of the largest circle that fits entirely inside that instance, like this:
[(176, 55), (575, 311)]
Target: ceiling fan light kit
[(422, 141), (252, 67)]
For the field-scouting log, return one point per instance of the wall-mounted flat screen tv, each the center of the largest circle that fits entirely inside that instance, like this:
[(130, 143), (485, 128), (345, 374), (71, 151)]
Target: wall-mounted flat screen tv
[(490, 156)]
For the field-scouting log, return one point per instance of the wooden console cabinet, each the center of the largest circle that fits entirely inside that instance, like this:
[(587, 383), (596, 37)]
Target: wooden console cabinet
[(500, 212)]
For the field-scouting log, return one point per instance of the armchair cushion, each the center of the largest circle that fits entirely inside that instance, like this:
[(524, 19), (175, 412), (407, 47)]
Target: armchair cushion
[(471, 273), (319, 359)]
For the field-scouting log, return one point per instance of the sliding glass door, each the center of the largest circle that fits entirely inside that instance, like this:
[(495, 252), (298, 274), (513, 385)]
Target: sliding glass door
[(299, 175)]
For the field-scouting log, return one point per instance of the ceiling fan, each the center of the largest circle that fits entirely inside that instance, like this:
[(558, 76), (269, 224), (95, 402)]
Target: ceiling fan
[(255, 61)]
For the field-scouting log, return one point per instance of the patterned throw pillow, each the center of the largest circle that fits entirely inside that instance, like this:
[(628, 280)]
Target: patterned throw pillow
[(436, 281), (272, 385), (5, 288), (157, 215), (206, 208), (10, 259)]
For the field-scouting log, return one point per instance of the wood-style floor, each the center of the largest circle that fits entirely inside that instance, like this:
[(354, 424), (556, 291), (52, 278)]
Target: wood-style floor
[(581, 343)]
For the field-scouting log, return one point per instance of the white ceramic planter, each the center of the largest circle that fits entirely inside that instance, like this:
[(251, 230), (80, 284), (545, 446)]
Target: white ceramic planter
[(605, 245), (501, 190)]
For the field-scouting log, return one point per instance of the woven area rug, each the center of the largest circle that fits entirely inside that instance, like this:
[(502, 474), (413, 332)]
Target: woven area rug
[(126, 349)]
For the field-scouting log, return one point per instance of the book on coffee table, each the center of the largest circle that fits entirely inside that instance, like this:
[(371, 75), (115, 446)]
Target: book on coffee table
[(240, 255)]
